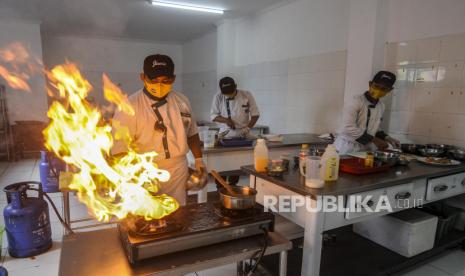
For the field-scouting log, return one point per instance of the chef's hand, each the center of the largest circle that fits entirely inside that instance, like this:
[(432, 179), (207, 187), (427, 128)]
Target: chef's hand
[(200, 166), (245, 131), (380, 144), (230, 123), (394, 142)]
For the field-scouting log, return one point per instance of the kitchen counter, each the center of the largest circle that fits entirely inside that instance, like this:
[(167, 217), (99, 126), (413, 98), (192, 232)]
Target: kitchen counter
[(100, 253), (405, 187), (349, 184), (290, 140)]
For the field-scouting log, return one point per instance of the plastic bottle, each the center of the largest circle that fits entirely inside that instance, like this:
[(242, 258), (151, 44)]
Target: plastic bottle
[(330, 164), (260, 153), (48, 177), (304, 152)]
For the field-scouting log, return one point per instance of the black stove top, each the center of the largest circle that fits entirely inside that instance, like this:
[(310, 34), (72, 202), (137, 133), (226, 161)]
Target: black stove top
[(195, 225)]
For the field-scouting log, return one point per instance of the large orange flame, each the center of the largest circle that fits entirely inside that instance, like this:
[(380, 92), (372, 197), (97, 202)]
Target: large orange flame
[(110, 187)]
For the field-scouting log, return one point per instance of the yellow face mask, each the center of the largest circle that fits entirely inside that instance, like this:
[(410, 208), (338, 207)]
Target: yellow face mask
[(159, 90), (377, 93)]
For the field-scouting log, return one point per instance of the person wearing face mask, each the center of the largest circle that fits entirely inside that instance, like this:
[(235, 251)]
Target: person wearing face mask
[(163, 123), (362, 118), (235, 110)]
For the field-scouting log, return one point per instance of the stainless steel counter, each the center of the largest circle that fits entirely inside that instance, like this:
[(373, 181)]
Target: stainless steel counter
[(100, 253)]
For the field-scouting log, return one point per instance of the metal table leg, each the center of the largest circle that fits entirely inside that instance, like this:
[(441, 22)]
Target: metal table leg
[(283, 263), (66, 210), (240, 268)]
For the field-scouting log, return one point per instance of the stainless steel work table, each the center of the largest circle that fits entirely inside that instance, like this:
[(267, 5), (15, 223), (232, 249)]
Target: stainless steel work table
[(100, 253), (424, 184)]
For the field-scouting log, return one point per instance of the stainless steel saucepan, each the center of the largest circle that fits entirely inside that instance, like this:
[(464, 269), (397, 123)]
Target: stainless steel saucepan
[(235, 198)]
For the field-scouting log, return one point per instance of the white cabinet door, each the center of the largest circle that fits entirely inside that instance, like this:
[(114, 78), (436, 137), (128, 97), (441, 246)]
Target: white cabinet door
[(442, 187)]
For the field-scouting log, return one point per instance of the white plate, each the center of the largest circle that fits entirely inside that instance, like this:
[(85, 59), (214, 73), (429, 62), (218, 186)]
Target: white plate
[(423, 160)]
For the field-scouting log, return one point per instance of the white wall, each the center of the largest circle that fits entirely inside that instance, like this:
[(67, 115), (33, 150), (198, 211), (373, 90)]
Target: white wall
[(300, 28), (199, 73), (121, 59), (25, 105), (427, 51), (415, 19), (292, 58)]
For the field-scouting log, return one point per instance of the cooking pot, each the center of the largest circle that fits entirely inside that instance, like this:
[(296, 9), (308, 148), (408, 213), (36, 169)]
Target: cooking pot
[(241, 199)]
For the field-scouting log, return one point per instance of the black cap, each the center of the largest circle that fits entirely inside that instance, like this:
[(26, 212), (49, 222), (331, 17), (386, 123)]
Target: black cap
[(227, 85), (385, 77), (158, 65)]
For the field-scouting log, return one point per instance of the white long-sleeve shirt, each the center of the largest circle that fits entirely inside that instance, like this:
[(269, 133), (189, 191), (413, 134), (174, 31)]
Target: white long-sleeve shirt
[(177, 117), (242, 107)]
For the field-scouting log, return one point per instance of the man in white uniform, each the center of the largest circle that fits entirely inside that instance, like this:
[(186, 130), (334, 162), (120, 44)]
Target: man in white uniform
[(234, 109), (163, 123), (362, 117)]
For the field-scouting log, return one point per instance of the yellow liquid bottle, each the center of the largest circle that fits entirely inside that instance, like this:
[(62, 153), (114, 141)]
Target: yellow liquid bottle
[(260, 156)]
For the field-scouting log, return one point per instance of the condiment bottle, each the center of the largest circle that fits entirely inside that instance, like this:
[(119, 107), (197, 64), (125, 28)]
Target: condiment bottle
[(260, 156), (330, 164), (369, 160)]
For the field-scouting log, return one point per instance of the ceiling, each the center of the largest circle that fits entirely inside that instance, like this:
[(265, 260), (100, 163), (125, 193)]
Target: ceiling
[(134, 19)]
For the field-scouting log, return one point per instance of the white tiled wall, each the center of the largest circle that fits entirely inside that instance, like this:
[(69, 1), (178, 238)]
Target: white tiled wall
[(428, 103), (294, 95), (200, 87)]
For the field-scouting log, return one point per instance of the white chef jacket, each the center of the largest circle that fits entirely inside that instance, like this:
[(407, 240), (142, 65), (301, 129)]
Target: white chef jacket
[(356, 125), (176, 114), (242, 107)]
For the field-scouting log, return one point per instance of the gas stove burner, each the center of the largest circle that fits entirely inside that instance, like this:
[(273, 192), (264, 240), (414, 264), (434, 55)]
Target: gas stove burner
[(232, 214), (153, 228), (190, 227)]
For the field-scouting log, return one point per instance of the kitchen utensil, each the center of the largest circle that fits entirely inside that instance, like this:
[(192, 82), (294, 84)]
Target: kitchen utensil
[(411, 148), (431, 161), (243, 197), (389, 158), (197, 180), (275, 168), (458, 153), (209, 137), (403, 161), (235, 142), (431, 152), (443, 147), (235, 198), (312, 172), (355, 165), (222, 182)]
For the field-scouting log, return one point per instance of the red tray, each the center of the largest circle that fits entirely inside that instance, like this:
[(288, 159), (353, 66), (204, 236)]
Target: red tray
[(357, 166)]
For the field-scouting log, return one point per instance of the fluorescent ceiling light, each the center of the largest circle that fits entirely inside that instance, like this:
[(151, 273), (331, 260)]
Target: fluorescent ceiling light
[(185, 7)]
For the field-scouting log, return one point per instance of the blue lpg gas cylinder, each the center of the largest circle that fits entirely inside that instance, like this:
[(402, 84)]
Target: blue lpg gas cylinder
[(27, 221), (49, 169)]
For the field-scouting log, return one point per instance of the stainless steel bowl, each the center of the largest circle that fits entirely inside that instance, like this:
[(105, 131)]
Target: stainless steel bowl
[(458, 153), (243, 198), (431, 152), (411, 148), (443, 147), (390, 158)]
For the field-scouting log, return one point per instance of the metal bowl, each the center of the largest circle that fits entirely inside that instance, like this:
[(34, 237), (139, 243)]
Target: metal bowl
[(411, 148), (390, 158), (458, 153), (443, 147), (244, 198), (431, 152)]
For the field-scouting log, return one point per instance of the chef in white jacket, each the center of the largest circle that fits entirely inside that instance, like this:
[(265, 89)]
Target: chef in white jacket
[(163, 123), (235, 110), (362, 118)]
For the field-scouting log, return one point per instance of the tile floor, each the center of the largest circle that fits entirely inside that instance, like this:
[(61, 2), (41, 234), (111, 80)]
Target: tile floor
[(47, 264)]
